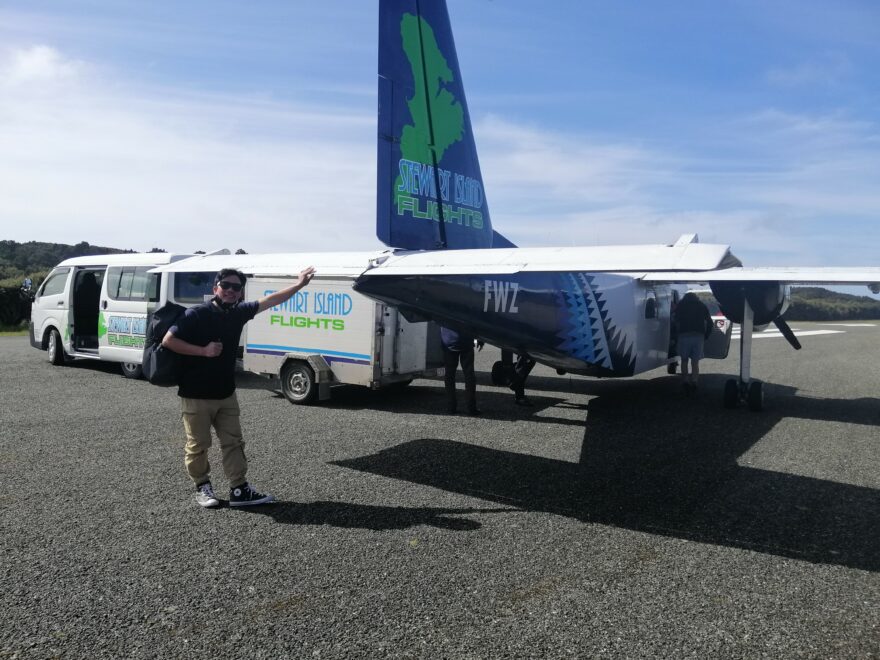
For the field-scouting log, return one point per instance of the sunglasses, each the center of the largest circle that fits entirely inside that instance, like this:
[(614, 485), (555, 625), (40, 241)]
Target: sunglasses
[(229, 285)]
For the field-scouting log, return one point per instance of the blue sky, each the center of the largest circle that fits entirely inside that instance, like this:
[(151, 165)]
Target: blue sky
[(199, 125)]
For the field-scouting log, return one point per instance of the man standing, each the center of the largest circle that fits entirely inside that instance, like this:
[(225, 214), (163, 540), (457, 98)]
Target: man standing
[(521, 371), (694, 325), (207, 337), (459, 347)]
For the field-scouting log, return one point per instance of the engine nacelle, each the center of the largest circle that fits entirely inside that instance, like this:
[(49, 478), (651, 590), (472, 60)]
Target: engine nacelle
[(768, 300)]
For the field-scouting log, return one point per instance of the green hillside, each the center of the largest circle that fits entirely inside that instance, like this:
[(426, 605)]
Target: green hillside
[(812, 303), (34, 260)]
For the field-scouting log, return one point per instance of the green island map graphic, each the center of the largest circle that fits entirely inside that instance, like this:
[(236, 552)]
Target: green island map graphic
[(446, 113)]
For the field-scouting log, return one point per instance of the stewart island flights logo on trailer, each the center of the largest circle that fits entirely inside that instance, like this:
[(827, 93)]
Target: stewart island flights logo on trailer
[(433, 169)]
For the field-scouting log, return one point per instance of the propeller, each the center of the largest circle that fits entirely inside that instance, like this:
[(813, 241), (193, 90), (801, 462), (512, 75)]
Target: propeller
[(787, 332)]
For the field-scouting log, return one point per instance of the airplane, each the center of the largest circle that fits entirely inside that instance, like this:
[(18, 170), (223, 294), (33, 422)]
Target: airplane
[(599, 311)]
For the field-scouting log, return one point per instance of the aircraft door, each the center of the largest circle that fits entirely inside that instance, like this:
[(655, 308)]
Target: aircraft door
[(654, 328), (717, 345)]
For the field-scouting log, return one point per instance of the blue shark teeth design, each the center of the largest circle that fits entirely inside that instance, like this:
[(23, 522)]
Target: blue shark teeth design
[(583, 330), (588, 330)]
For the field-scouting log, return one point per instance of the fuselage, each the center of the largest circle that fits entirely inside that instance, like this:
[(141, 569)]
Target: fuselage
[(598, 324)]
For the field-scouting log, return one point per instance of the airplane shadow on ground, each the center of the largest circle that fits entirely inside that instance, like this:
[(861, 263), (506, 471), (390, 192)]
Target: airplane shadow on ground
[(651, 464), (544, 393), (428, 399)]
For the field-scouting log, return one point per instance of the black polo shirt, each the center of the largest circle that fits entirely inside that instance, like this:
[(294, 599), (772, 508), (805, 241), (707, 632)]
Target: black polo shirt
[(211, 378)]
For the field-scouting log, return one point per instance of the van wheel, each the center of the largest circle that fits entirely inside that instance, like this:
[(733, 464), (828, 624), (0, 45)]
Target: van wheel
[(298, 382), (131, 370), (55, 349)]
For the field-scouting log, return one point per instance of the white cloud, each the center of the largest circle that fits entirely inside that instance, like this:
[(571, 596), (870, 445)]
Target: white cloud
[(85, 159), (89, 157), (779, 188), (35, 64)]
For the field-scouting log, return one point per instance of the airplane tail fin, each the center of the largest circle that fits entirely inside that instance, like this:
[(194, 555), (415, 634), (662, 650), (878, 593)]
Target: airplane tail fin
[(429, 187)]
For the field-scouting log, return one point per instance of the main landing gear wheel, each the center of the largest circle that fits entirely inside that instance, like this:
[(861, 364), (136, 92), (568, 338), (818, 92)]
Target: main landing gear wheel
[(752, 394), (501, 373), (755, 396), (131, 370), (55, 349), (671, 368), (298, 383)]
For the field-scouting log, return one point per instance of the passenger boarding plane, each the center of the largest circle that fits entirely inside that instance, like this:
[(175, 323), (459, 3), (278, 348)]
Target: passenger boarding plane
[(601, 311)]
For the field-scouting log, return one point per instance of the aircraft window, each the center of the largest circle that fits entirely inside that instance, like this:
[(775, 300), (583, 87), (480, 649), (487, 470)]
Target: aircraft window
[(651, 308), (55, 283), (193, 287)]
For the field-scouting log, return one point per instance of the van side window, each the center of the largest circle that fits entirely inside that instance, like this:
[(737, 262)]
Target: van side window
[(55, 283), (193, 287), (132, 283)]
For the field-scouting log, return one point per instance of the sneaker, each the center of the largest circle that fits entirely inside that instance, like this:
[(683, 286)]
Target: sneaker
[(205, 496), (523, 401), (245, 495)]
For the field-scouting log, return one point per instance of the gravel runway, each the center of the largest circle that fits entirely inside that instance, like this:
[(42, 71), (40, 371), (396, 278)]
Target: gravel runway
[(615, 519)]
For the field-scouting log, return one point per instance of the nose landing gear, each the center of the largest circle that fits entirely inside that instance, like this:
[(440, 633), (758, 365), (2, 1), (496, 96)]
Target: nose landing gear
[(745, 390)]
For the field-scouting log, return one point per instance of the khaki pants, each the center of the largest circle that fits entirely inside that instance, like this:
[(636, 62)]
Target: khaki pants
[(199, 415)]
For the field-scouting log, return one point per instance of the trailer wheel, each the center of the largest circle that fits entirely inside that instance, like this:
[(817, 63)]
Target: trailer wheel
[(298, 382), (131, 370), (54, 348)]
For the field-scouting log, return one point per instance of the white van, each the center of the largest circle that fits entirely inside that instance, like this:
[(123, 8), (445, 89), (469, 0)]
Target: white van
[(96, 307), (327, 334)]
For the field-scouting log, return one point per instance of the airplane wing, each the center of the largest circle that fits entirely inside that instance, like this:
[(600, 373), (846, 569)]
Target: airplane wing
[(786, 275)]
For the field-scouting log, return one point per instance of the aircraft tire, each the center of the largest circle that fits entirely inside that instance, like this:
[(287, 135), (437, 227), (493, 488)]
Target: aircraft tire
[(54, 348), (131, 370), (755, 396), (671, 368), (501, 373), (298, 383), (731, 393)]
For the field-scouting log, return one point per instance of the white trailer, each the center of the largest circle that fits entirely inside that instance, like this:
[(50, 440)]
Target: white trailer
[(326, 334)]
